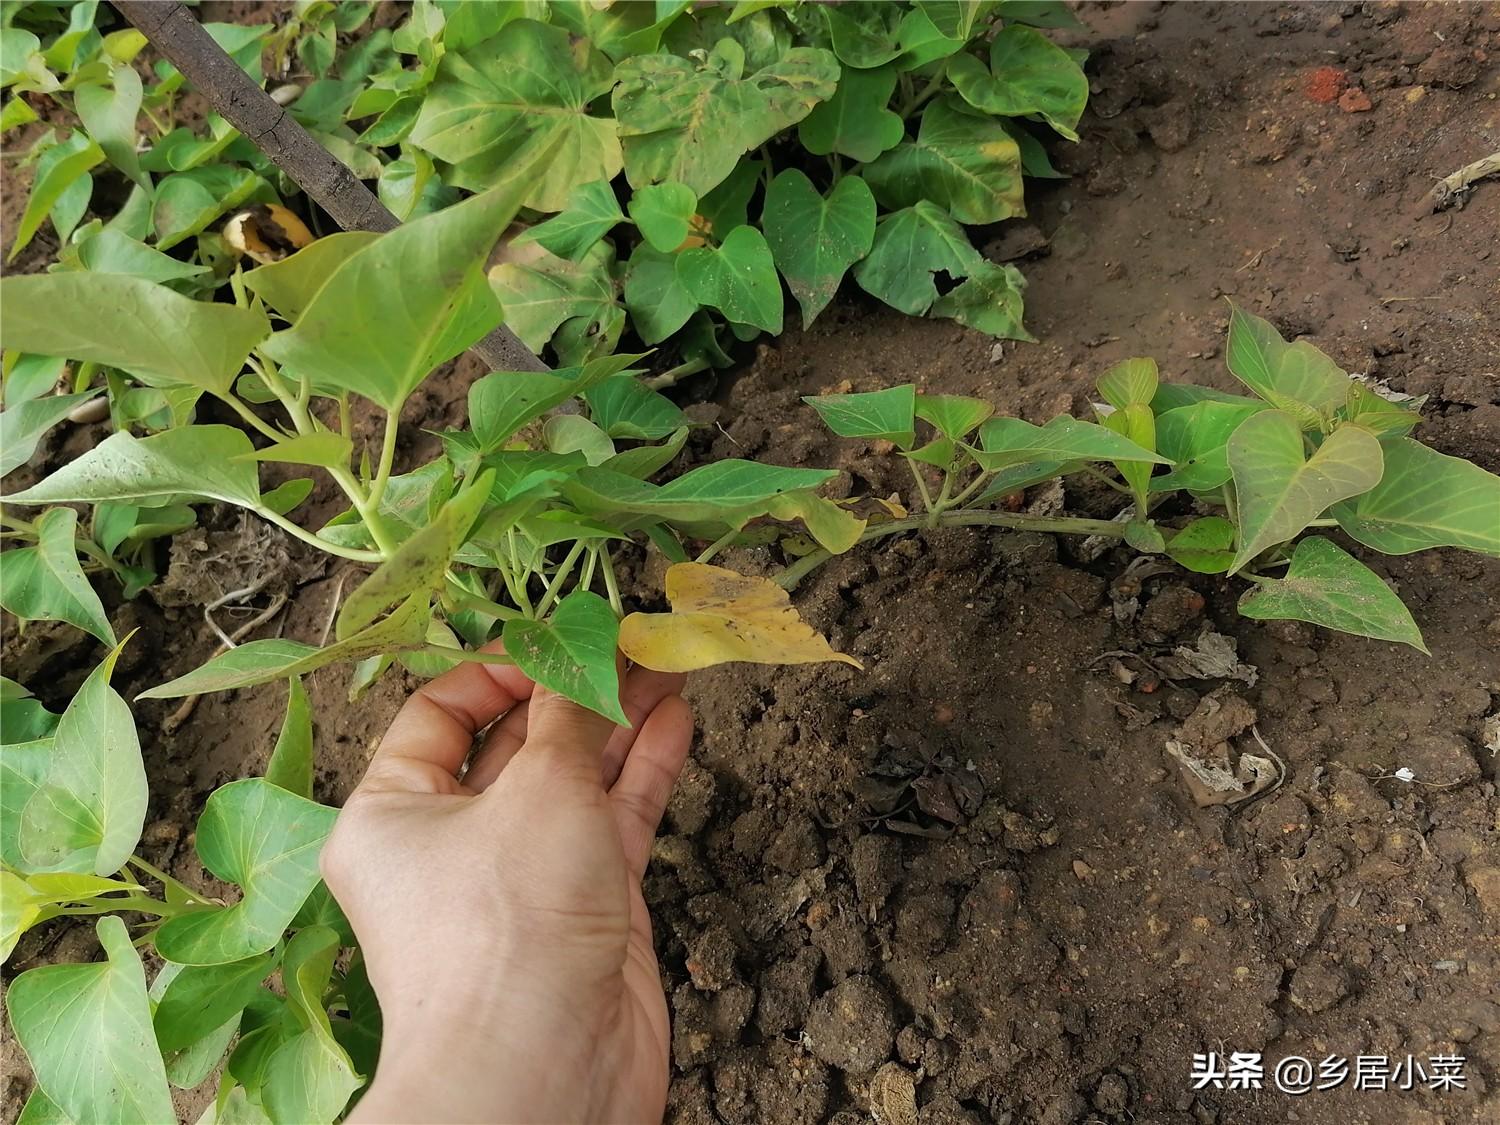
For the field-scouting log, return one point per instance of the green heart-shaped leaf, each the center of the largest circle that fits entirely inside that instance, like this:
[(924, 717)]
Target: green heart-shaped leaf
[(738, 278), (291, 764), (266, 841), (258, 662), (815, 240), (624, 407), (22, 425), (46, 582), (657, 301), (1295, 378), (1028, 74), (1425, 499), (572, 652), (886, 414), (1206, 545), (1195, 437), (517, 98), (78, 806), (1279, 491), (591, 213), (855, 122), (989, 301), (663, 212), (544, 294), (210, 462), (965, 163), (1010, 441), (1330, 587), (1130, 382), (910, 246), (953, 415), (81, 1023), (399, 307), (690, 122)]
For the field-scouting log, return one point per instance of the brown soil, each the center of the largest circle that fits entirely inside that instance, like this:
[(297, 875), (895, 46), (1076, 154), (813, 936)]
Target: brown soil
[(973, 870)]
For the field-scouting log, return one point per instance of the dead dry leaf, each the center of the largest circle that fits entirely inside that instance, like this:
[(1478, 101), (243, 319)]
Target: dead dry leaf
[(1212, 784), (1214, 656), (719, 616)]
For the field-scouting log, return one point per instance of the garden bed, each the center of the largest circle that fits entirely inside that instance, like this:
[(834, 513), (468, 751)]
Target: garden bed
[(976, 860)]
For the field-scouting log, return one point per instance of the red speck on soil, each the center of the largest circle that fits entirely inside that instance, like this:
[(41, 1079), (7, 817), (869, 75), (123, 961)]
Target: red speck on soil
[(1355, 100), (1325, 84)]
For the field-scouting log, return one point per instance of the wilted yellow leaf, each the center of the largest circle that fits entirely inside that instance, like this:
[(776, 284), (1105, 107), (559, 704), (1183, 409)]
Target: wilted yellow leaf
[(835, 529), (720, 616)]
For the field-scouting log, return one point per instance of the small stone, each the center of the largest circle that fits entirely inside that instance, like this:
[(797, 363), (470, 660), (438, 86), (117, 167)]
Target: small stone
[(1441, 759), (710, 959), (1485, 883), (876, 860), (852, 1026), (893, 1095), (1112, 1095), (1082, 870), (786, 992), (1325, 84), (692, 801), (1318, 987), (1355, 100), (798, 846)]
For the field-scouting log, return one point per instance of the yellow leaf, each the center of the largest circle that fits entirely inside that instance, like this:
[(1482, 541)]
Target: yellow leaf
[(719, 616), (835, 529)]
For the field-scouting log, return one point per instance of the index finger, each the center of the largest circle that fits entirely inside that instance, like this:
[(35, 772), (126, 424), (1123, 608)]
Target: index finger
[(438, 723)]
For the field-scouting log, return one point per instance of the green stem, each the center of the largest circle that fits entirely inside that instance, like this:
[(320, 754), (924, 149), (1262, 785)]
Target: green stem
[(1067, 525), (559, 576), (941, 506), (611, 585), (320, 543), (387, 460), (718, 545), (1089, 470), (916, 475), (251, 418), (674, 375), (933, 85), (469, 656), (165, 879), (974, 486)]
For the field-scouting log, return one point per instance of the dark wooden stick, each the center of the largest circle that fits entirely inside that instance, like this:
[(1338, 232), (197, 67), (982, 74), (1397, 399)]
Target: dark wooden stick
[(174, 33)]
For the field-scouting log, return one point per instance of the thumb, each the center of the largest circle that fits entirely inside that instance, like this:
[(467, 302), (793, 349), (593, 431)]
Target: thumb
[(567, 732)]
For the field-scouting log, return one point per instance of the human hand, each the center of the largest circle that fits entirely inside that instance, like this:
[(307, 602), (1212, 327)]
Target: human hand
[(499, 909)]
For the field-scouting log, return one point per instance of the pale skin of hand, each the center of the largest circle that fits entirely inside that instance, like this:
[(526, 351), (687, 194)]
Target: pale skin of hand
[(499, 906)]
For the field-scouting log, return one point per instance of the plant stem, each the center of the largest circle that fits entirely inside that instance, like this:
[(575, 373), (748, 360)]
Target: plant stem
[(320, 543), (916, 475), (470, 656), (611, 586), (718, 545), (559, 576), (933, 85), (252, 419), (941, 506), (974, 486), (1067, 525), (674, 375), (387, 461), (1102, 479), (166, 880)]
